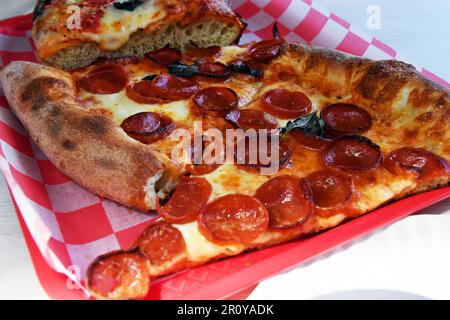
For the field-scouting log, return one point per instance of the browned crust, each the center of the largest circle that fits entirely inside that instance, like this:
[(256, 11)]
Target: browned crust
[(222, 8), (88, 147)]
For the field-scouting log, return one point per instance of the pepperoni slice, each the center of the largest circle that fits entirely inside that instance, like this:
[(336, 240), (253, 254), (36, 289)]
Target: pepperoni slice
[(331, 190), (161, 243), (352, 152), (286, 104), (173, 88), (252, 119), (287, 200), (309, 141), (234, 219), (121, 275), (344, 118), (148, 127), (213, 69), (216, 101), (201, 54), (105, 79), (425, 164), (201, 169), (165, 56), (251, 156), (188, 200), (142, 92), (265, 50), (198, 167)]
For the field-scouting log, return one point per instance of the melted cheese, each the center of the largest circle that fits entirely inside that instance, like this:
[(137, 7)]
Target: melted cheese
[(116, 26), (229, 179), (121, 107), (199, 248)]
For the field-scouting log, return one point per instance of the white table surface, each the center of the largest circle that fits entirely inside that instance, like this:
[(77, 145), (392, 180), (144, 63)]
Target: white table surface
[(417, 29)]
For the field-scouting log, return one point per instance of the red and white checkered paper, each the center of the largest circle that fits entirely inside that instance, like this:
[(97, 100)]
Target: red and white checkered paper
[(72, 226)]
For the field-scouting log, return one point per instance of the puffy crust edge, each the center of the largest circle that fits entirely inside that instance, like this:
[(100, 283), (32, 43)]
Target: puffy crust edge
[(86, 146), (379, 85)]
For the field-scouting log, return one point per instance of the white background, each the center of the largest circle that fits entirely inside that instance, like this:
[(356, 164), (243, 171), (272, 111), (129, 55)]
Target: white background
[(408, 259)]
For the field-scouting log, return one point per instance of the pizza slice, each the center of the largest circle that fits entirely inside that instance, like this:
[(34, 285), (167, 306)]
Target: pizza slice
[(70, 34), (350, 135)]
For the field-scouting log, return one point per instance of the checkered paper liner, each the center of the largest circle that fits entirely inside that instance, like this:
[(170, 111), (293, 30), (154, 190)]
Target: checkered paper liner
[(72, 226)]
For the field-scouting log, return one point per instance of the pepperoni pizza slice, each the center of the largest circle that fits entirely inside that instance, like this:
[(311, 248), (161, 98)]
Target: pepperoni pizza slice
[(346, 135)]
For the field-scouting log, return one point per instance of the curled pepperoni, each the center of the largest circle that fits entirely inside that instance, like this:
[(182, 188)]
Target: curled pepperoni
[(201, 54), (121, 275), (252, 119), (213, 69), (199, 166), (331, 190), (188, 200), (287, 199), (165, 56), (142, 92), (234, 219), (105, 79), (265, 50), (286, 104), (352, 152), (216, 101), (425, 164), (343, 118), (161, 243), (148, 127), (254, 152), (173, 88), (309, 141)]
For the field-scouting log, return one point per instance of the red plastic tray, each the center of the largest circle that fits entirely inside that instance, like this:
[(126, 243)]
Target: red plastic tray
[(237, 284), (228, 277)]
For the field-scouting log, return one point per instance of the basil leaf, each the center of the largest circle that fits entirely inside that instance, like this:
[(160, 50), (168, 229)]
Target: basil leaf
[(275, 31), (128, 5), (246, 69), (311, 123), (182, 70), (39, 9), (150, 77)]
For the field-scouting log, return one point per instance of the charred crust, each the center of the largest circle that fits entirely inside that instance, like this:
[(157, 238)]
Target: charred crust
[(425, 117), (95, 124), (69, 145), (37, 88), (54, 127), (106, 163)]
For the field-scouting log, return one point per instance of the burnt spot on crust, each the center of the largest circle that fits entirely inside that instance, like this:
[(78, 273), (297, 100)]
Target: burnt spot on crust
[(382, 80), (68, 145), (95, 124), (425, 117), (106, 163), (54, 126), (37, 87), (42, 102)]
